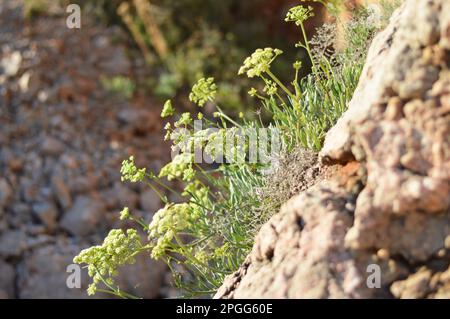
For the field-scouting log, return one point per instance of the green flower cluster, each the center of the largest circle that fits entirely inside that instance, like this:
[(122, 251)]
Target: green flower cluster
[(166, 224), (299, 14), (259, 62), (203, 91), (184, 120), (125, 213), (130, 172), (179, 167), (197, 191), (270, 88), (118, 248), (168, 109)]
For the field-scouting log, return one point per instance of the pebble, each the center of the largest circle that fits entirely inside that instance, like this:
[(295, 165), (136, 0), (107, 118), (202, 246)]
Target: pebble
[(82, 219), (47, 214), (52, 147), (5, 193)]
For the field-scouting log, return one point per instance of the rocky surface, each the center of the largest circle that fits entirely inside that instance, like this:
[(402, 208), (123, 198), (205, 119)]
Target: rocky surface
[(388, 208), (62, 139)]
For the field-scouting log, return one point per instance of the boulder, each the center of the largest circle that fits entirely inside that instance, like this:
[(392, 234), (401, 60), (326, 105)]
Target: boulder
[(83, 218), (13, 243), (43, 273), (383, 229), (7, 278)]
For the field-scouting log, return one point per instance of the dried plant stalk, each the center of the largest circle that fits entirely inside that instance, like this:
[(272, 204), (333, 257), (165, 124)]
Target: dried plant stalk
[(125, 13), (158, 41)]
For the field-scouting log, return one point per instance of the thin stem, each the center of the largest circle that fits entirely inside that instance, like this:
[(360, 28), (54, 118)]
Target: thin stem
[(282, 86), (308, 49), (227, 117)]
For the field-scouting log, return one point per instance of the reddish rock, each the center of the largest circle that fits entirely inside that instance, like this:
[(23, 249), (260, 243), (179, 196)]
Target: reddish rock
[(322, 242)]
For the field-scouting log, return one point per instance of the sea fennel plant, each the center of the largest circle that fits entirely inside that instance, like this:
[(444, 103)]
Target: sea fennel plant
[(206, 235)]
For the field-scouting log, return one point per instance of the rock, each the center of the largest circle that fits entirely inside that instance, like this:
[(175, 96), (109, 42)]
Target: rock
[(52, 147), (125, 196), (144, 278), (140, 119), (7, 278), (13, 243), (24, 81), (117, 62), (43, 273), (300, 253), (149, 201), (414, 287), (47, 213), (16, 164), (10, 64), (5, 193), (20, 214), (397, 127), (29, 190), (62, 192), (82, 219)]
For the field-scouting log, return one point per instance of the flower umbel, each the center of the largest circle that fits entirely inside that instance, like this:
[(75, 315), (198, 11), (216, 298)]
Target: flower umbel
[(125, 213), (166, 223), (299, 14), (203, 91), (259, 62), (178, 166), (184, 120), (117, 249), (167, 109), (130, 172), (270, 88)]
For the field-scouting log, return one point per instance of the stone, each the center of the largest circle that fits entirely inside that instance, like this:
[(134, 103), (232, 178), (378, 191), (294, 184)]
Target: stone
[(13, 243), (140, 119), (125, 196), (47, 213), (83, 218), (43, 273), (5, 193), (7, 278), (20, 214), (397, 129), (149, 201), (52, 147), (414, 287), (62, 192), (143, 278), (10, 64)]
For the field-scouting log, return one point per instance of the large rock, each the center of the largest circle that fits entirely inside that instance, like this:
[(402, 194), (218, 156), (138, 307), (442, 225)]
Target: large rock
[(7, 278), (83, 218), (47, 213), (43, 273), (13, 243), (5, 193), (144, 278), (389, 210)]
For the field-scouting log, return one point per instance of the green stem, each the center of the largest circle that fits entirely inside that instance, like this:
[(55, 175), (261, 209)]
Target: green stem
[(282, 86), (227, 117), (192, 257), (308, 49)]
